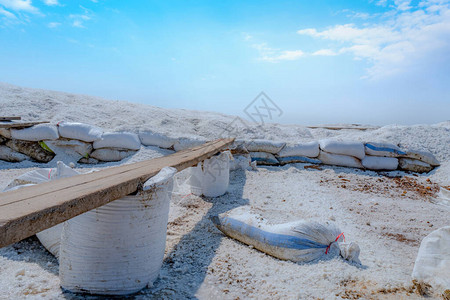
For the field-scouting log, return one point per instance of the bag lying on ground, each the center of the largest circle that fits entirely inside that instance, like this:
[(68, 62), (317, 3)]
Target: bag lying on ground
[(268, 146), (10, 155), (79, 131), (350, 148), (264, 158), (36, 133), (424, 156), (124, 140), (297, 159), (340, 160), (383, 149), (149, 138), (111, 154), (414, 165), (211, 177), (301, 241), (310, 149), (380, 163), (118, 248), (431, 273)]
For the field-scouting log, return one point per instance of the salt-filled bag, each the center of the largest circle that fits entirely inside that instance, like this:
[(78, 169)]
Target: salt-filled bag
[(79, 131), (51, 237), (431, 273), (211, 177), (300, 241), (351, 148), (118, 248)]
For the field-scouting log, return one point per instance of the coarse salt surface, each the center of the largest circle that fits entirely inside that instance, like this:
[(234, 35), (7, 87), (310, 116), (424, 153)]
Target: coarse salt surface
[(387, 217)]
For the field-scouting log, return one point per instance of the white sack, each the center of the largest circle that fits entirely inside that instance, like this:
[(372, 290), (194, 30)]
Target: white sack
[(380, 163), (79, 131), (73, 148), (10, 155), (238, 162), (300, 241), (383, 149), (185, 143), (264, 146), (424, 156), (263, 158), (51, 237), (36, 133), (297, 159), (212, 176), (350, 148), (414, 165), (118, 248), (310, 149), (340, 160), (124, 140), (431, 271), (111, 154), (156, 139)]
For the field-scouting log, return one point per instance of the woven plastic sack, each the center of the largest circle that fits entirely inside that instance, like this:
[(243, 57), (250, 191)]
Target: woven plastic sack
[(310, 149), (380, 163), (339, 160), (211, 177), (350, 148), (156, 139), (36, 133), (300, 241), (118, 248), (51, 237), (79, 131), (123, 140), (431, 273)]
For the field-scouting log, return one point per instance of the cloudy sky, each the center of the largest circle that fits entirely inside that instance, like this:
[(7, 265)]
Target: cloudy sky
[(371, 62)]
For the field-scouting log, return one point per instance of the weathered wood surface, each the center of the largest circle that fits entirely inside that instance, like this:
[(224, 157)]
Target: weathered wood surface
[(18, 125), (340, 127), (29, 210), (10, 118)]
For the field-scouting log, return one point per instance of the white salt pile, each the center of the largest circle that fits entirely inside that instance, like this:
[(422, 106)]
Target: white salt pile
[(387, 216)]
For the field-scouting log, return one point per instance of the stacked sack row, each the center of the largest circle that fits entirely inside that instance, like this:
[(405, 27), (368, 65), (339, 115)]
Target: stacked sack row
[(370, 155), (89, 144)]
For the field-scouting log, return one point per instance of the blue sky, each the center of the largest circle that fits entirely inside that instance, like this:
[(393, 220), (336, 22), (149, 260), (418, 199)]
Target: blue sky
[(372, 62)]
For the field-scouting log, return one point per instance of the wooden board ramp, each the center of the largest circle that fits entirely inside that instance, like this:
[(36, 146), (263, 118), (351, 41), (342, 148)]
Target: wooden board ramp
[(18, 125), (10, 118), (29, 210)]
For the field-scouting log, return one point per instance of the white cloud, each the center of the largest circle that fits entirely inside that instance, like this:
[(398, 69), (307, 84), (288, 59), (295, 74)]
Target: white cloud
[(51, 2), (79, 19), (7, 14), (324, 52), (19, 5), (53, 24), (78, 24), (275, 55), (247, 36), (400, 40)]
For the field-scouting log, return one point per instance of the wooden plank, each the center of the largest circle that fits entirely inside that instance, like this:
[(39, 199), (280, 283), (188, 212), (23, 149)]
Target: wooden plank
[(29, 210), (19, 125), (10, 118), (338, 127)]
